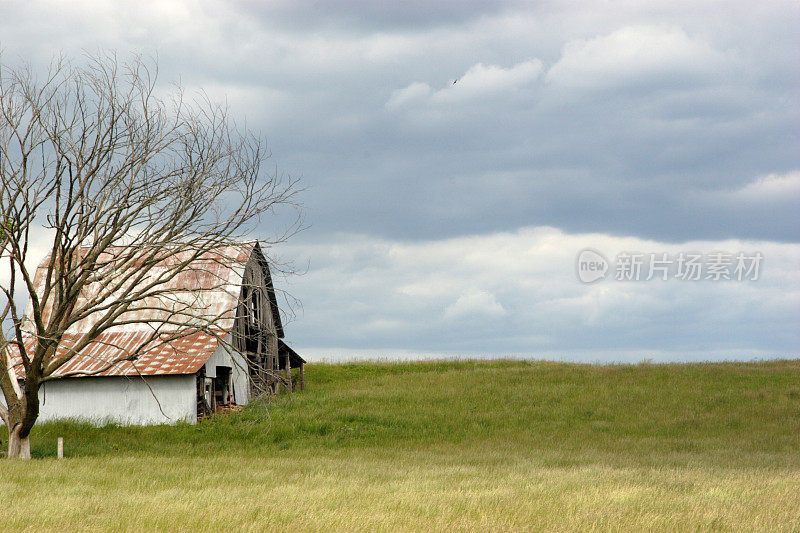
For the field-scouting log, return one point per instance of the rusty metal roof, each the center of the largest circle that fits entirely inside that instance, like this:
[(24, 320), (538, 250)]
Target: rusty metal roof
[(210, 287), (184, 355)]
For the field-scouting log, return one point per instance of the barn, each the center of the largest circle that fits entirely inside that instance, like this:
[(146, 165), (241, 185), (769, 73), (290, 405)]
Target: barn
[(194, 373)]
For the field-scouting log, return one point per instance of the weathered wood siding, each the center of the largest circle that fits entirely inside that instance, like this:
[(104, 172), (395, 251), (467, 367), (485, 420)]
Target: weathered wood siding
[(255, 329)]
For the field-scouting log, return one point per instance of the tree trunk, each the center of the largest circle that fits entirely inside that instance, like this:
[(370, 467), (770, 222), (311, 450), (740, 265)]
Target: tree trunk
[(21, 418), (18, 447)]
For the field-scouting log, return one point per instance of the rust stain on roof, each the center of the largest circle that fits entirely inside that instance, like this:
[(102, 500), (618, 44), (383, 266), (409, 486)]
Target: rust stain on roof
[(207, 291), (209, 286), (185, 355)]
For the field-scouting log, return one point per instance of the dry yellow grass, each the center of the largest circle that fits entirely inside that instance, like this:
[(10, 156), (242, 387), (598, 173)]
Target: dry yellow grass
[(390, 490), (496, 446)]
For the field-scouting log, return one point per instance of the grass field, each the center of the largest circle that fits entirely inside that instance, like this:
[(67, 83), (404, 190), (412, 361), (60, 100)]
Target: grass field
[(468, 446)]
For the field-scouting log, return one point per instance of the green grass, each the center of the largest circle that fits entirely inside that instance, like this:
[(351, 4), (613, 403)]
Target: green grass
[(467, 445)]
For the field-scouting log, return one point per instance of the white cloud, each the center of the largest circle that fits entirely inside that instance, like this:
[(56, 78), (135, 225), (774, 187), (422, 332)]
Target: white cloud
[(38, 247), (633, 55), (415, 91), (476, 303), (771, 188), (518, 293), (489, 80), (478, 82)]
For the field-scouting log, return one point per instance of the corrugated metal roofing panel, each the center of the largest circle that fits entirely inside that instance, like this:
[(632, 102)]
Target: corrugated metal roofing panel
[(184, 355), (208, 289)]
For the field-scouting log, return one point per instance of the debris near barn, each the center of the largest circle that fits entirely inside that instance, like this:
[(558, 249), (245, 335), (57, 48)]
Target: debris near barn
[(162, 368)]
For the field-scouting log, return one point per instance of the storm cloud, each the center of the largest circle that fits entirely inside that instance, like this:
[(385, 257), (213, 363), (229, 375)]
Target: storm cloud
[(503, 137)]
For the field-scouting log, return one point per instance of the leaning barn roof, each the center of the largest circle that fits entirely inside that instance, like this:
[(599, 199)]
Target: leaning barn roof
[(210, 287)]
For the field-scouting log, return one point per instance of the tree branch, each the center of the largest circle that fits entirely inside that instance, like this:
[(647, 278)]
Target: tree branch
[(138, 190)]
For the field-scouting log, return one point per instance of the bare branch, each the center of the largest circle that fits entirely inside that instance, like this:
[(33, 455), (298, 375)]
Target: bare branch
[(140, 188)]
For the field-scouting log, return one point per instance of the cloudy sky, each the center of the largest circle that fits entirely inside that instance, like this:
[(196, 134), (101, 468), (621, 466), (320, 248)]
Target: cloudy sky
[(459, 155)]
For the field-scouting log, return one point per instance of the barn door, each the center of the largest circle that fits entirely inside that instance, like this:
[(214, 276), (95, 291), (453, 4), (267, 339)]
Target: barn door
[(222, 386)]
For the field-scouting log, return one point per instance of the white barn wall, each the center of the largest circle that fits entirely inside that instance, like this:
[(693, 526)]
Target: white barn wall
[(224, 356), (123, 400), (129, 401)]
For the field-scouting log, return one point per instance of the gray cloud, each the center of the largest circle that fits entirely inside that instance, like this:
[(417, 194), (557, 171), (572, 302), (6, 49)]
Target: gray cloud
[(659, 121), (366, 15)]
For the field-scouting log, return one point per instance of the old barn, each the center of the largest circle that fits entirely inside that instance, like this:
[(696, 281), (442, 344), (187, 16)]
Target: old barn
[(193, 373)]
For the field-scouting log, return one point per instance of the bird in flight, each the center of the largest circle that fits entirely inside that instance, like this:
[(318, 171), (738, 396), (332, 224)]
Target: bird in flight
[(455, 81)]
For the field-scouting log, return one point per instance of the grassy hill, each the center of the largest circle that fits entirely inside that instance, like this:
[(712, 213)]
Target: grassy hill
[(444, 445)]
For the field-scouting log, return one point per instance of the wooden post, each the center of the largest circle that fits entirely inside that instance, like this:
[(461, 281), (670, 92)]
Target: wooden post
[(288, 374), (302, 376), (60, 447), (276, 369)]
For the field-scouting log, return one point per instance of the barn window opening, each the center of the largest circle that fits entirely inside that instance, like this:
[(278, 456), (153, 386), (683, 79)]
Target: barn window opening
[(255, 307)]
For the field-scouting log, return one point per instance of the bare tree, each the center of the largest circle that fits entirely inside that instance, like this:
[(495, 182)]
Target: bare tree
[(134, 184)]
